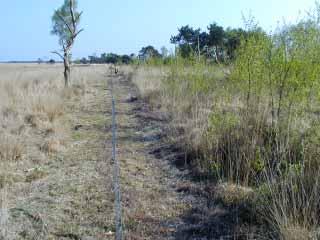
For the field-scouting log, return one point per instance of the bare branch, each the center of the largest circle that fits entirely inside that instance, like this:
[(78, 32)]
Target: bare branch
[(59, 54), (78, 17), (72, 14), (81, 30)]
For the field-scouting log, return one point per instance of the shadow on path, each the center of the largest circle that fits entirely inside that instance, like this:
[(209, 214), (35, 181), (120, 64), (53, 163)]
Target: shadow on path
[(206, 218)]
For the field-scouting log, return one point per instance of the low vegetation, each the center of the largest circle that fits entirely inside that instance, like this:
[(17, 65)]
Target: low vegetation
[(253, 123), (241, 106), (50, 136)]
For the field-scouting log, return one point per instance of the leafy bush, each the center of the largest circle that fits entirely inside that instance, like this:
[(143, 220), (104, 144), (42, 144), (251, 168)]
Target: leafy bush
[(255, 123)]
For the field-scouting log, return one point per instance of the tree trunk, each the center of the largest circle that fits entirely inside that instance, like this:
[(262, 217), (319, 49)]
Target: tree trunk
[(67, 71), (199, 54), (216, 53)]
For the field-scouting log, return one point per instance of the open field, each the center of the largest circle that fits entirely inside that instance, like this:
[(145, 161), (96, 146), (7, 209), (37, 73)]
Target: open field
[(48, 168), (56, 171), (194, 164), (123, 125)]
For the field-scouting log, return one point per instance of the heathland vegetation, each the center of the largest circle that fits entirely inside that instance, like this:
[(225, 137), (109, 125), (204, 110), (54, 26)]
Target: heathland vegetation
[(241, 105), (251, 121)]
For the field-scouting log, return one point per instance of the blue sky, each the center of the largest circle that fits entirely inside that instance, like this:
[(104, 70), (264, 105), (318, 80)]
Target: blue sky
[(124, 26)]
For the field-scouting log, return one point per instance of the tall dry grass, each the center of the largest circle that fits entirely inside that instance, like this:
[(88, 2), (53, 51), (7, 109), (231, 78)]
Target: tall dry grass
[(29, 100), (188, 94), (34, 128)]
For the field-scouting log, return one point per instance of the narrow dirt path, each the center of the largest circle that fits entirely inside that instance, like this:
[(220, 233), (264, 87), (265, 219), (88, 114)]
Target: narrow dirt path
[(160, 199), (69, 193), (150, 205)]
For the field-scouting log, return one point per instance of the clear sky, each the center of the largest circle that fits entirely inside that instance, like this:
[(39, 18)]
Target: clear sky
[(124, 26)]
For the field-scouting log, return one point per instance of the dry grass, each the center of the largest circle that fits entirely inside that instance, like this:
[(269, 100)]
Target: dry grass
[(30, 97), (150, 84), (30, 102), (47, 169), (149, 202), (221, 139), (295, 233), (189, 113), (232, 194)]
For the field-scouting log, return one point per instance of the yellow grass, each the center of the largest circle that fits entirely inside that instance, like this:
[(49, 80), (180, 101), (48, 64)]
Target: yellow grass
[(36, 113)]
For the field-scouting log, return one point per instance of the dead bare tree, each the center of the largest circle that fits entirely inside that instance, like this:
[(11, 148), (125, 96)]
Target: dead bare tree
[(66, 20)]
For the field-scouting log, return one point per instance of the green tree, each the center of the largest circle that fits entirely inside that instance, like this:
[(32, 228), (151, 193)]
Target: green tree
[(250, 65), (84, 60), (112, 58), (52, 61), (66, 21), (186, 35), (232, 41), (126, 59), (215, 40), (189, 40), (149, 52)]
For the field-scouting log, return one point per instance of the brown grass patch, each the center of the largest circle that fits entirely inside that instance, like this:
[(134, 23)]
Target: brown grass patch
[(295, 233), (232, 194), (11, 148), (51, 146)]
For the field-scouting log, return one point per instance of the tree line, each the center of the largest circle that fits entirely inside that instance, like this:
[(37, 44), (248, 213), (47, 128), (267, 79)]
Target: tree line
[(109, 58), (112, 58), (216, 43)]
